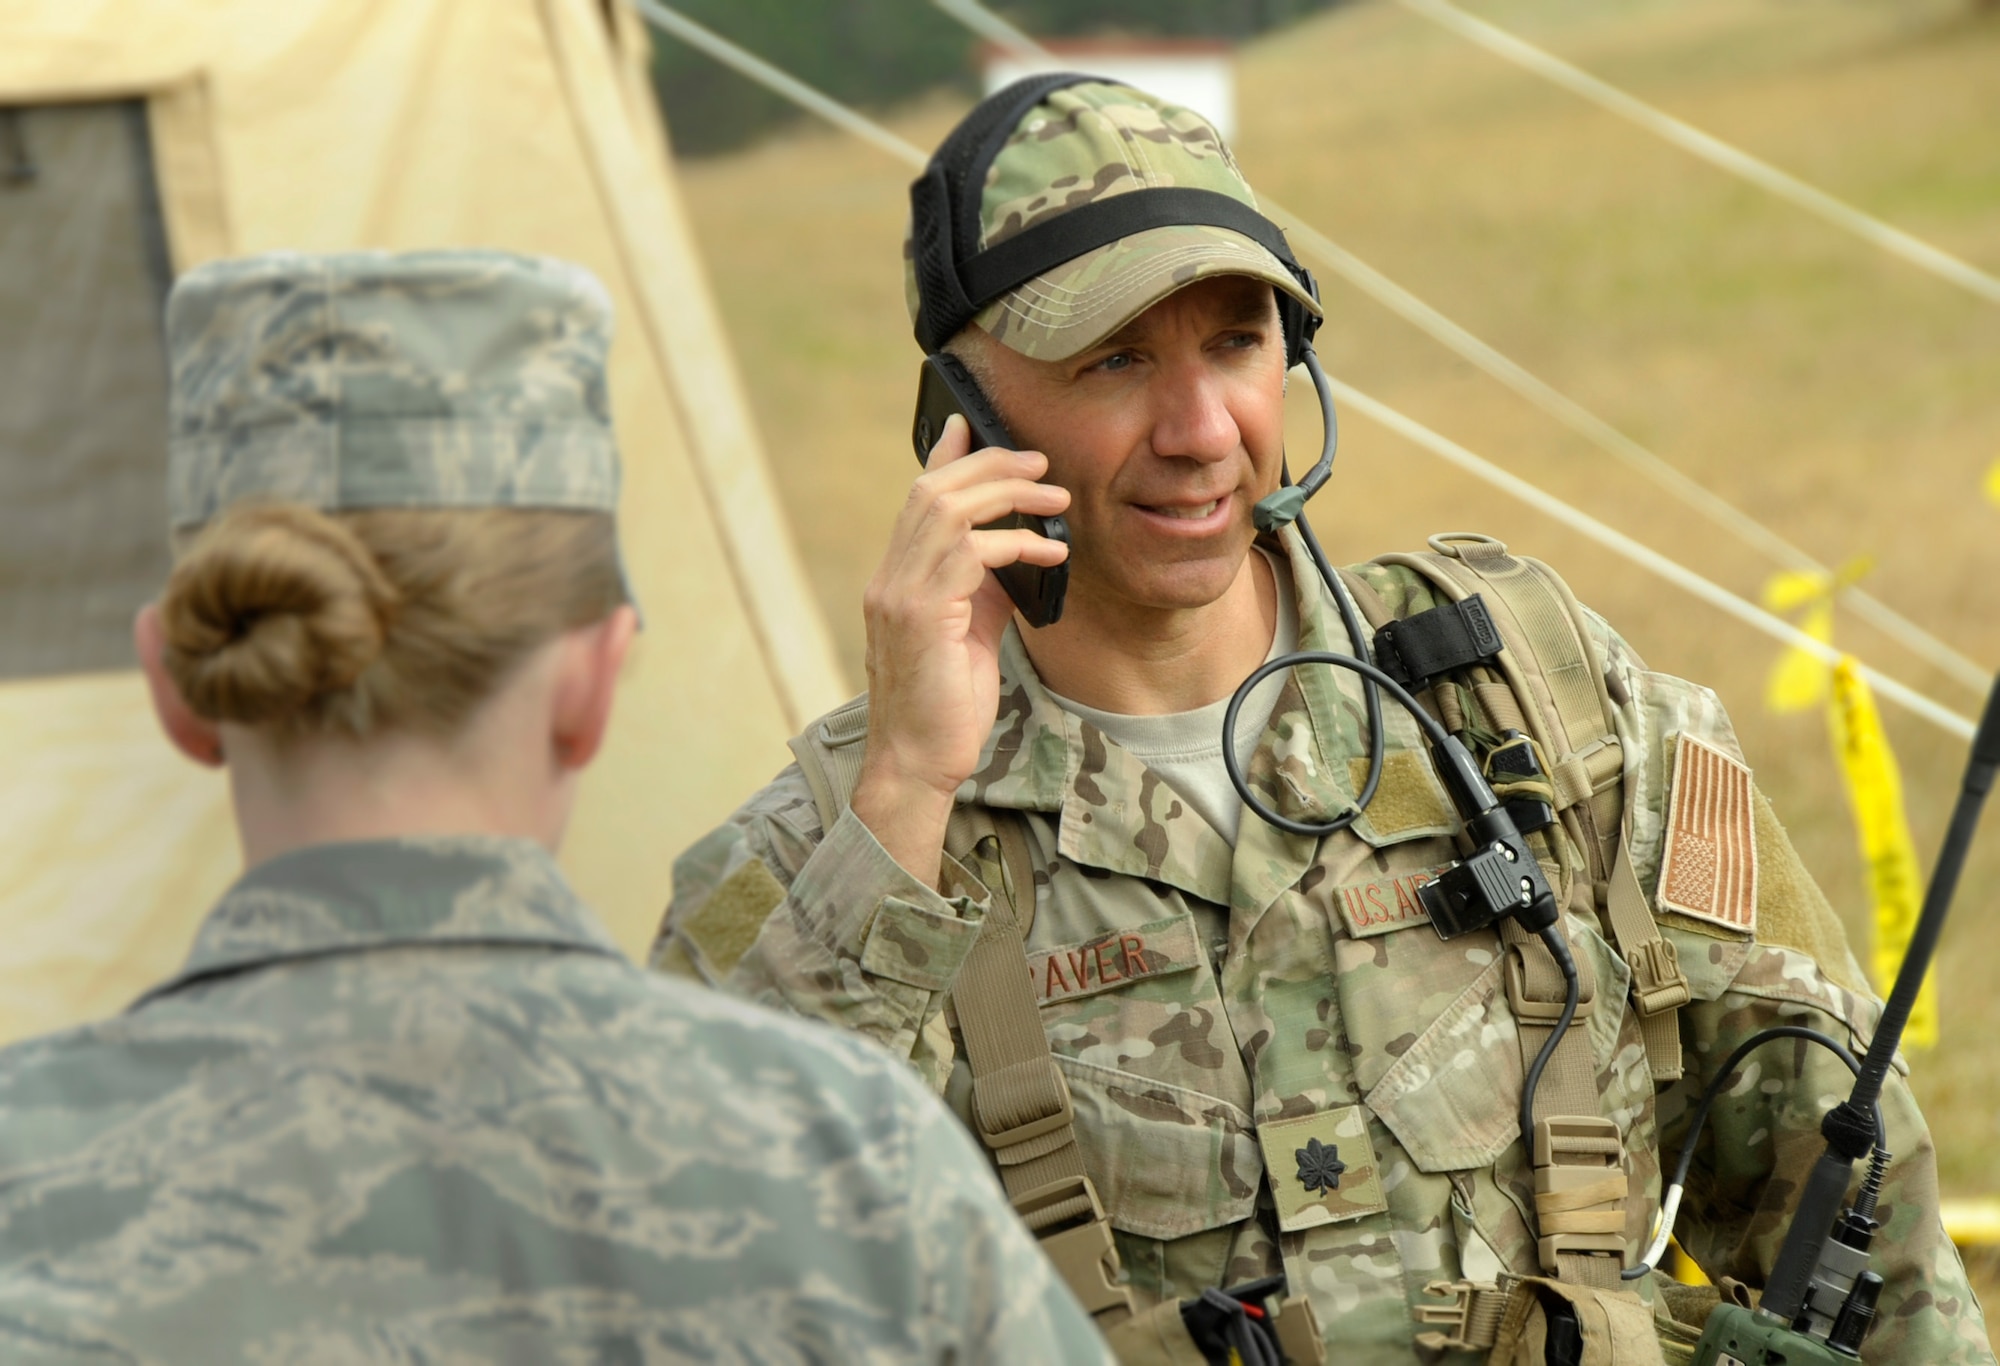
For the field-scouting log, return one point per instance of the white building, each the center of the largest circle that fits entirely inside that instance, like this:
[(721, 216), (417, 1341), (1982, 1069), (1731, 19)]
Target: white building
[(1198, 73)]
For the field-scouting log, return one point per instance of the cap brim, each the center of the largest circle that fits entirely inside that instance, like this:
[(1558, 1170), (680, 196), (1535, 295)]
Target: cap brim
[(1066, 311)]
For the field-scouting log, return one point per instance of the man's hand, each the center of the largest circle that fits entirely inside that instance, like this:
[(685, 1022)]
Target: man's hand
[(935, 617)]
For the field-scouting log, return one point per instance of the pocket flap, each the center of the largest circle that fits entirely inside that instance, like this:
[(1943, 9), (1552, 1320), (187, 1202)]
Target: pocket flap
[(1450, 1098), (1453, 1098), (1167, 1161)]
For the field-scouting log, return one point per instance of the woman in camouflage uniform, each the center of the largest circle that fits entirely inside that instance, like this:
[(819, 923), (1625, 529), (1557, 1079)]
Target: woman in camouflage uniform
[(406, 1100)]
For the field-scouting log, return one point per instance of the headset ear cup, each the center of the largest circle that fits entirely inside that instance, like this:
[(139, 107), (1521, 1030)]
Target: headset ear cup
[(1300, 323), (942, 308), (1309, 323)]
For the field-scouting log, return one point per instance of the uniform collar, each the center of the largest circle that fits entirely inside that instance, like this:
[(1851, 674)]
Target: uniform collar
[(1116, 814), (351, 897)]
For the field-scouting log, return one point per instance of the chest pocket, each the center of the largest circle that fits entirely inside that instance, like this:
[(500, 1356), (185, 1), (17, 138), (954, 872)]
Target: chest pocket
[(1162, 1103), (1452, 1094)]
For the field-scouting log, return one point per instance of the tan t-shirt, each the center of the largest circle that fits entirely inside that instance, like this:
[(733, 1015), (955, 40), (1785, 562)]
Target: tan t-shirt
[(1185, 747)]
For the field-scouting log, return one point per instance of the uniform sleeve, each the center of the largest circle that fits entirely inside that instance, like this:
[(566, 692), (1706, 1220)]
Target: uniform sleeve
[(993, 1297), (1762, 1137), (823, 923)]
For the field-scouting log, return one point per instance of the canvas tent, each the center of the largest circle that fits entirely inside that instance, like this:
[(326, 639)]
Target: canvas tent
[(139, 139)]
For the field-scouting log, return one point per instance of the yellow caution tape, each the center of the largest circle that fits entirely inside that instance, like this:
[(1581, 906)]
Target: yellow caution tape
[(1972, 1223), (1993, 482), (1875, 792), (1682, 1267), (1798, 681)]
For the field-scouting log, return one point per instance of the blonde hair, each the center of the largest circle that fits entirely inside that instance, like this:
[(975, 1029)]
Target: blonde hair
[(392, 618)]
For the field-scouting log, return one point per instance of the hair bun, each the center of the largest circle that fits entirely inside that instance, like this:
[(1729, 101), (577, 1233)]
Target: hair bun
[(275, 605)]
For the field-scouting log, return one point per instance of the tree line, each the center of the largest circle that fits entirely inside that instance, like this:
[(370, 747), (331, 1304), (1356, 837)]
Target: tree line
[(875, 53)]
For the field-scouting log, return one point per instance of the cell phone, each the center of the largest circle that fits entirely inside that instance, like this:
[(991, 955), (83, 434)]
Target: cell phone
[(945, 387)]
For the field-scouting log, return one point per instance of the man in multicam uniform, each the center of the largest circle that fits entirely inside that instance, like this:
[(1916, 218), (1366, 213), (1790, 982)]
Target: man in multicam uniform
[(1275, 1063), (406, 1100)]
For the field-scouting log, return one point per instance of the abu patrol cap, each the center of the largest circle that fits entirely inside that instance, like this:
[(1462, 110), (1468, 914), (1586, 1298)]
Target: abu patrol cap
[(1065, 205), (429, 379)]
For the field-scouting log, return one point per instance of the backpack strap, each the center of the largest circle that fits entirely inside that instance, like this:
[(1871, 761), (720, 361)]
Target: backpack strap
[(1021, 1111), (830, 753), (1555, 686), (1020, 1103), (1548, 682)]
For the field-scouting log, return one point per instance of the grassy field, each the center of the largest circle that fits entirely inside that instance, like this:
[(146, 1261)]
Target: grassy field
[(1841, 397)]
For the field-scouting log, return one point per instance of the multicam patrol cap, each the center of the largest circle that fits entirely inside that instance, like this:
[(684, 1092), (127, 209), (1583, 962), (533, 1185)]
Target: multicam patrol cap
[(1081, 142), (434, 379)]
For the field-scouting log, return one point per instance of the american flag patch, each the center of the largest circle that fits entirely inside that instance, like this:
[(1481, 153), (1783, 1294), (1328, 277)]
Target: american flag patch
[(1709, 869)]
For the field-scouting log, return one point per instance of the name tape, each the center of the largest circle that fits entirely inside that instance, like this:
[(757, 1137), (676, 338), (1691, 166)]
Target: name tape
[(1112, 959), (1386, 904)]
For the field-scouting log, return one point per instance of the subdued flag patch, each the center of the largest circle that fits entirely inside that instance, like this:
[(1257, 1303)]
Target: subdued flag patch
[(1709, 867)]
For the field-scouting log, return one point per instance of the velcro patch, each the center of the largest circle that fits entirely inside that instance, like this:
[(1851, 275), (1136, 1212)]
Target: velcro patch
[(1388, 903), (1321, 1168), (1709, 867), (724, 926), (1409, 801), (1113, 959)]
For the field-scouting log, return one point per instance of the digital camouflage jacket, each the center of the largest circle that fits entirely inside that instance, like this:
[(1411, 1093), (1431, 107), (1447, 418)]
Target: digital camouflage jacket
[(1216, 1010), (407, 1103)]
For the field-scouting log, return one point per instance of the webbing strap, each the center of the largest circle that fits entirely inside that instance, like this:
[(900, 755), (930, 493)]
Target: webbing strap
[(1535, 995), (1544, 620), (1567, 1100), (1020, 1103), (1659, 987), (1021, 1107), (1550, 659), (1452, 635)]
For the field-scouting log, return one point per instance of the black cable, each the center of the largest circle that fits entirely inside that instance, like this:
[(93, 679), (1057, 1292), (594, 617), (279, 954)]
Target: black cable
[(1428, 723), (1357, 632), (1713, 1092), (1558, 947)]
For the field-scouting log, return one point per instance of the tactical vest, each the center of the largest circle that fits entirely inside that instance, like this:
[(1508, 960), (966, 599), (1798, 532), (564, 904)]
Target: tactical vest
[(1540, 709)]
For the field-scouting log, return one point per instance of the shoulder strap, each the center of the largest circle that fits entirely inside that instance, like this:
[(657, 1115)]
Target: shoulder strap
[(1550, 666), (1553, 689), (1022, 1113), (829, 754), (1556, 678), (1020, 1104)]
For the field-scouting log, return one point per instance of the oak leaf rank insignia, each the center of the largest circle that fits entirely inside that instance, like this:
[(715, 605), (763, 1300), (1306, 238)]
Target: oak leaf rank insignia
[(1319, 1165)]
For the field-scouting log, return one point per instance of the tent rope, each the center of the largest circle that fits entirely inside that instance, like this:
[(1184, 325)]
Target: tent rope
[(1640, 554), (779, 81), (1552, 401), (1917, 703), (1710, 148)]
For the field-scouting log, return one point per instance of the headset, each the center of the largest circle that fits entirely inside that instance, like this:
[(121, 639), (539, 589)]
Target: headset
[(956, 279)]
